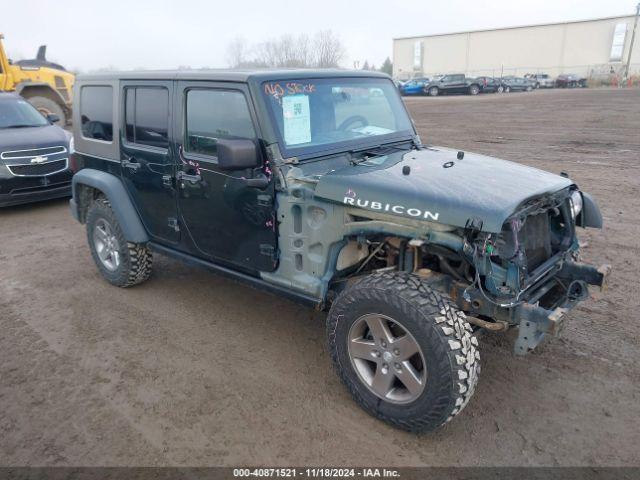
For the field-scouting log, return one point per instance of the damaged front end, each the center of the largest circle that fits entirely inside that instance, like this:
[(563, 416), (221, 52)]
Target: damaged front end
[(528, 274)]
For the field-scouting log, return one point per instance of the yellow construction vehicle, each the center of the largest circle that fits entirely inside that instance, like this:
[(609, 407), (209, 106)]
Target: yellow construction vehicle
[(46, 85)]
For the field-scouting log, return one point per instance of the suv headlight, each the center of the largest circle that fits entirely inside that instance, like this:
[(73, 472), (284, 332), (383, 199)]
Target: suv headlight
[(576, 203)]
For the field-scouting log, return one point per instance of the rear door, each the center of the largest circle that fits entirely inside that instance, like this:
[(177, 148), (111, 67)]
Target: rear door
[(146, 155), (227, 220)]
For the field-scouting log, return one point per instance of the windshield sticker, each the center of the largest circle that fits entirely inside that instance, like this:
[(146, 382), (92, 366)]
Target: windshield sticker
[(279, 90), (372, 130), (297, 119)]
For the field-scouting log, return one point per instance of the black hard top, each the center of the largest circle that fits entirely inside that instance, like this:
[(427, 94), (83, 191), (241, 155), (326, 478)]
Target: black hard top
[(229, 75)]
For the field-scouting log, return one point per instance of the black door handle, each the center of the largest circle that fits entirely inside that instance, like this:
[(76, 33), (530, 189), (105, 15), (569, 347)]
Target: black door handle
[(131, 162), (260, 182), (190, 178)]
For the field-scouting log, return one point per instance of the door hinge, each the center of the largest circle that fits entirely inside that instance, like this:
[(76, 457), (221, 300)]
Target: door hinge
[(265, 200), (268, 250), (173, 223)]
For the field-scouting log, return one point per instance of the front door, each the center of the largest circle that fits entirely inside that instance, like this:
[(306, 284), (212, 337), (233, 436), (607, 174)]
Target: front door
[(146, 156), (228, 220)]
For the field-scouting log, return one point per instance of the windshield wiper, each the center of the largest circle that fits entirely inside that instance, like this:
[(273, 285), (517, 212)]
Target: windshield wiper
[(377, 151), (22, 126)]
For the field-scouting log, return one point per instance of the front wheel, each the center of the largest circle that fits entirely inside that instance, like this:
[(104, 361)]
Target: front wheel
[(403, 350), (474, 90), (507, 89), (121, 263), (500, 89), (434, 91)]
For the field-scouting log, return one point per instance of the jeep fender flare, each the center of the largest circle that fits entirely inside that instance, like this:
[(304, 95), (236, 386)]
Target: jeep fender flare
[(112, 188)]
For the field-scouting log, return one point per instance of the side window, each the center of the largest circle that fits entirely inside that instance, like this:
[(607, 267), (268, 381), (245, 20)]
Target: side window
[(96, 112), (147, 116), (213, 114)]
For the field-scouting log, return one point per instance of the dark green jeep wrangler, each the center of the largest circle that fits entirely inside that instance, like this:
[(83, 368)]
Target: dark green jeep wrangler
[(314, 185)]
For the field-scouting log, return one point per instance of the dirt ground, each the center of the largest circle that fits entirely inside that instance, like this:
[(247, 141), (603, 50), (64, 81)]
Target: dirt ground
[(194, 369)]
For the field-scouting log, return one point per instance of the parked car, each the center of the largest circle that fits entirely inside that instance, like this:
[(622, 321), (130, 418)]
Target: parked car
[(490, 85), (415, 86), (517, 84), (541, 80), (571, 81), (34, 154), (270, 178), (456, 83)]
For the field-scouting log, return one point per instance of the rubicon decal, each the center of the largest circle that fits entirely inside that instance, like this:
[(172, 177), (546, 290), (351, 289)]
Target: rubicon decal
[(350, 198)]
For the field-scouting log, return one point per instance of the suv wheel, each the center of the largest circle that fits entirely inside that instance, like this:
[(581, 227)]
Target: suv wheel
[(474, 90), (434, 91), (121, 263), (500, 89), (403, 350), (507, 89)]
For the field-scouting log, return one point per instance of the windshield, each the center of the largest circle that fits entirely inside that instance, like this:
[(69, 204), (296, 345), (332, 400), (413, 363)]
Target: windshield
[(19, 113), (314, 115)]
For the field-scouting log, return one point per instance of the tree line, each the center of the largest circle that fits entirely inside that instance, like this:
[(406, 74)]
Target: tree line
[(322, 50)]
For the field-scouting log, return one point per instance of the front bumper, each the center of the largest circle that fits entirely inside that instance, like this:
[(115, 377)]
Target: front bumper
[(536, 321), (58, 190), (543, 310)]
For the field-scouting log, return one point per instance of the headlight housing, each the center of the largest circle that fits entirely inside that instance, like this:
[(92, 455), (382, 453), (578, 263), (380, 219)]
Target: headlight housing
[(576, 204)]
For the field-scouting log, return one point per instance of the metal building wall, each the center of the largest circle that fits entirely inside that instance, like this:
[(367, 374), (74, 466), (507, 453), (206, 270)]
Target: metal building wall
[(582, 47)]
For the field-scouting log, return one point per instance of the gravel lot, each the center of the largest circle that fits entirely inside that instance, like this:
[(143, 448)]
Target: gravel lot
[(194, 369)]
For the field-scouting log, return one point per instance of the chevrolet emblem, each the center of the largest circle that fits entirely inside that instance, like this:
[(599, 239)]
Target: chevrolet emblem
[(38, 160)]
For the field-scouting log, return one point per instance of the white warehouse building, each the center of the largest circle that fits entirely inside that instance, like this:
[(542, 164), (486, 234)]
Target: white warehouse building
[(588, 47)]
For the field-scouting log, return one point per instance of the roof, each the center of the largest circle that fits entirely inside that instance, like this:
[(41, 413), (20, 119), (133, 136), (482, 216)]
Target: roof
[(631, 16), (9, 96), (228, 75)]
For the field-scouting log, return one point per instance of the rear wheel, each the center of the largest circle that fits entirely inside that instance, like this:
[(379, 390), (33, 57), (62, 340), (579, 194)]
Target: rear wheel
[(46, 106), (434, 91), (403, 350), (474, 90), (121, 263), (500, 89), (507, 89)]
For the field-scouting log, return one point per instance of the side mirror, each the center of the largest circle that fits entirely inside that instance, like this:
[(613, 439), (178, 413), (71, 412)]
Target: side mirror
[(53, 118), (237, 154)]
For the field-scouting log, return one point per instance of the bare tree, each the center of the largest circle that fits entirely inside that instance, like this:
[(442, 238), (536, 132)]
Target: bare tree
[(329, 50), (237, 52), (288, 51)]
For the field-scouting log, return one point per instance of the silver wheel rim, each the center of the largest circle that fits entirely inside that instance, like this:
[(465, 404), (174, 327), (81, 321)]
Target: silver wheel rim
[(106, 245), (387, 358)]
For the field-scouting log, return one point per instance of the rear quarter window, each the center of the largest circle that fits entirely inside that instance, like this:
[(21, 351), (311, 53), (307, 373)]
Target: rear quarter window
[(96, 112)]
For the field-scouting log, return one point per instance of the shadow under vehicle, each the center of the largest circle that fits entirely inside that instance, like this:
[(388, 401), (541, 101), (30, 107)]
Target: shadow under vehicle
[(314, 185)]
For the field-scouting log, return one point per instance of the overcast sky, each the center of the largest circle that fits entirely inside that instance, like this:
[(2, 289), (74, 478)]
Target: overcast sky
[(152, 34)]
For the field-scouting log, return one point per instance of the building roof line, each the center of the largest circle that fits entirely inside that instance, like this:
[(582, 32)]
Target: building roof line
[(514, 27)]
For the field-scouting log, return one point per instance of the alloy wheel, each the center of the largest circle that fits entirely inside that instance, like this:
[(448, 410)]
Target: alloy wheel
[(106, 245), (387, 358)]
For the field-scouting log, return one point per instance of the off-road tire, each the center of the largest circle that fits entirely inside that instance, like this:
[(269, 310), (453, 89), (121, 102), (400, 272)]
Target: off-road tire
[(442, 332), (433, 91), (47, 106), (136, 258)]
